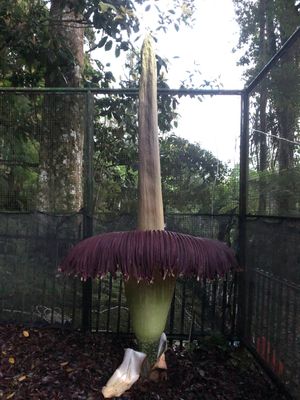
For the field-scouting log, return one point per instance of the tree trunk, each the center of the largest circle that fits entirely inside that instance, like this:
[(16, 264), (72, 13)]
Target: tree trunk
[(61, 150), (262, 106), (286, 84), (263, 151), (287, 127)]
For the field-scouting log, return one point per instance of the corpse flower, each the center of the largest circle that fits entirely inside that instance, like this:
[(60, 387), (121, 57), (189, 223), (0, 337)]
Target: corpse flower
[(146, 255), (149, 258)]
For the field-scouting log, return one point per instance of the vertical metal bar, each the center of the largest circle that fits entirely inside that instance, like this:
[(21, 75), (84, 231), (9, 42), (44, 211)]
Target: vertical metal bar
[(98, 304), (234, 305), (287, 313), (257, 281), (4, 283), (243, 202), (62, 293), (1, 297), (249, 317), (224, 305), (192, 324), (109, 303), (74, 302), (86, 315), (279, 315), (262, 318), (297, 349), (276, 339), (87, 288), (294, 322), (204, 305), (53, 296), (183, 296), (34, 289), (273, 324), (63, 303), (273, 335), (269, 319), (213, 303), (25, 275), (44, 288), (172, 313), (119, 306)]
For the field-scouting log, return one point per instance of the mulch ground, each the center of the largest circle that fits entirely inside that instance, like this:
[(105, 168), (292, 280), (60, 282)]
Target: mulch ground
[(43, 363)]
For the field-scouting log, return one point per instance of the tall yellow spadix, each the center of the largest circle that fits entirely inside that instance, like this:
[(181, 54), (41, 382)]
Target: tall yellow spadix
[(149, 303)]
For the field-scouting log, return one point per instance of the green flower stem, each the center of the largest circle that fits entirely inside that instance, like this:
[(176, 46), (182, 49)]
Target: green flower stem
[(149, 348), (149, 304)]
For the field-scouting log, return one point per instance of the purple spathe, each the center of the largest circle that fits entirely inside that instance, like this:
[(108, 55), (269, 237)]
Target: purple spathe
[(141, 254)]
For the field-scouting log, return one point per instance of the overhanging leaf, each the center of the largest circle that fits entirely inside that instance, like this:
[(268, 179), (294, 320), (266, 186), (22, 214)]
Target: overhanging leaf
[(108, 45)]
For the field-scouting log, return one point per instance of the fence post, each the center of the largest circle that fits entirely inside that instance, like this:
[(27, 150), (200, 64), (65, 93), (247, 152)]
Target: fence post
[(243, 204), (86, 320)]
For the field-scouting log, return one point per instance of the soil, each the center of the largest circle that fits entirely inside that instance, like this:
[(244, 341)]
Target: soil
[(44, 363)]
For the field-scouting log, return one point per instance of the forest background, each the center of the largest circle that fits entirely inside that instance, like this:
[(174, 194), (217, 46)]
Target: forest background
[(54, 43)]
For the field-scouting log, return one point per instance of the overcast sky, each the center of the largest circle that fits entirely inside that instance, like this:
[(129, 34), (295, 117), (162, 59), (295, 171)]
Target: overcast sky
[(214, 123), (207, 47)]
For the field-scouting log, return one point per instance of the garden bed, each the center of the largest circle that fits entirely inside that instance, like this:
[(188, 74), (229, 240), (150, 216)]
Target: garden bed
[(44, 363)]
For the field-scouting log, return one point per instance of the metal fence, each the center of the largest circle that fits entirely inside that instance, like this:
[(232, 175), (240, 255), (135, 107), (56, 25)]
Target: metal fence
[(270, 224), (43, 213), (32, 290)]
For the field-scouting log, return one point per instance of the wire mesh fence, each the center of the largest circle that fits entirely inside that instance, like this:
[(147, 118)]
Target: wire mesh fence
[(271, 223), (274, 323), (42, 156), (274, 139), (273, 295), (68, 168), (41, 151), (32, 290)]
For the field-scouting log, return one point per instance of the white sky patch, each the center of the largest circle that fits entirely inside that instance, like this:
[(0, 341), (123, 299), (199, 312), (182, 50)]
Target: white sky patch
[(207, 47), (214, 123)]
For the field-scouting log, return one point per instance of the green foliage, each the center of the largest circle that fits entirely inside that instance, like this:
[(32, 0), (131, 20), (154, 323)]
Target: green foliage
[(29, 51), (265, 25), (279, 17), (24, 42), (27, 45), (226, 194), (19, 148), (189, 175), (278, 187)]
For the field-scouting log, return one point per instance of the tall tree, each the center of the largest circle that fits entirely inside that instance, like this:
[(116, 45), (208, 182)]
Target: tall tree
[(61, 151), (286, 100), (46, 48), (190, 175), (22, 53), (23, 42), (265, 26), (62, 142)]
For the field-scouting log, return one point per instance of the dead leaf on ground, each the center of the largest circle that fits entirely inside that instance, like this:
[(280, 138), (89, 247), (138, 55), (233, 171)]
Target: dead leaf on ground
[(63, 364), (70, 365)]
